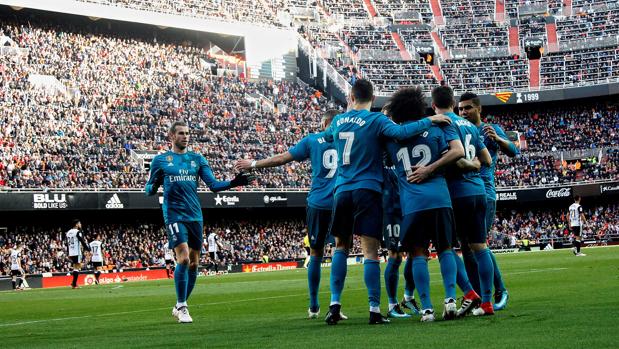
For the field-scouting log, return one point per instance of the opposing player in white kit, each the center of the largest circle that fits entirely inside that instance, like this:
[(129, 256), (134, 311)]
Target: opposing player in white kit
[(74, 239), (213, 245), (577, 220), (168, 256), (97, 257), (16, 269)]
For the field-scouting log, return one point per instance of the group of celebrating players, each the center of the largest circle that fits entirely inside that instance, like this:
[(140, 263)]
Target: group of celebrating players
[(397, 177)]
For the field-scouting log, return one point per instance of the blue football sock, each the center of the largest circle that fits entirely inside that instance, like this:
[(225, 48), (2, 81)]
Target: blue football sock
[(462, 278), (470, 263), (192, 275), (422, 281), (486, 274), (371, 275), (313, 280), (392, 277), (498, 278), (338, 274), (180, 281), (409, 288), (449, 270)]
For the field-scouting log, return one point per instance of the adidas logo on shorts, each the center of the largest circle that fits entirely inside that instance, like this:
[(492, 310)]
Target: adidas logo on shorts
[(114, 202)]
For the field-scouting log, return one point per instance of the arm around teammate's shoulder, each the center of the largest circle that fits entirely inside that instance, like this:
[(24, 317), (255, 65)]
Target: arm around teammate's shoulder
[(155, 179)]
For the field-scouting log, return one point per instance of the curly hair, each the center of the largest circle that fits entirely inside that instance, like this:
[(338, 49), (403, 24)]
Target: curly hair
[(406, 104)]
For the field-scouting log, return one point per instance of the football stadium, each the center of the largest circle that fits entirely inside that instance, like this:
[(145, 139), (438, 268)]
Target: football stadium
[(294, 173)]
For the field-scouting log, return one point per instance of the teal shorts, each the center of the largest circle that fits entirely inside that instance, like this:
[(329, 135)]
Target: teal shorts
[(185, 232)]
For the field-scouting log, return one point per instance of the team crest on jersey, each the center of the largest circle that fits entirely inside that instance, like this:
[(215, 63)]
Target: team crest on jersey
[(169, 158), (193, 163)]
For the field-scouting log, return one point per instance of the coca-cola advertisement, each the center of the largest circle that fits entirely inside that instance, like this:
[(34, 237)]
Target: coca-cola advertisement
[(565, 192)]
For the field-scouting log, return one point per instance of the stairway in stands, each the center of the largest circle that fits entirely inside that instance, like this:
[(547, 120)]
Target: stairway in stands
[(403, 51), (499, 11), (514, 40), (437, 12), (553, 42), (534, 73)]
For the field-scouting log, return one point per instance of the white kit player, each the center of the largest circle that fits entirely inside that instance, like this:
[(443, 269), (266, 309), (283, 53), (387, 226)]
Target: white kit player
[(577, 220), (97, 257), (75, 238), (168, 256), (18, 275), (213, 246)]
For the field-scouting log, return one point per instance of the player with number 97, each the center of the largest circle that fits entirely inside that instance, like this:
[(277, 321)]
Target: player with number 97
[(323, 158)]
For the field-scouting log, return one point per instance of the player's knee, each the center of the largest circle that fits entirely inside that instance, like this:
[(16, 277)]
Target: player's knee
[(418, 251), (184, 260), (395, 255), (316, 252), (477, 246)]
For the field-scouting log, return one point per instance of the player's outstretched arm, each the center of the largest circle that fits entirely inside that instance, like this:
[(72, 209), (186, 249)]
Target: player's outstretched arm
[(155, 180), (420, 173), (273, 161), (214, 185), (401, 132)]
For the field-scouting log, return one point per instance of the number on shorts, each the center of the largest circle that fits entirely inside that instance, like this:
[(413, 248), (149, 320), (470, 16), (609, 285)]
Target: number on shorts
[(393, 230), (174, 230)]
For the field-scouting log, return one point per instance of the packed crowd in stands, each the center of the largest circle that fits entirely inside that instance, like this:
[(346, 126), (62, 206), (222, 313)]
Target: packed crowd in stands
[(121, 92), (549, 226), (227, 10), (128, 246), (126, 93), (142, 245), (587, 126)]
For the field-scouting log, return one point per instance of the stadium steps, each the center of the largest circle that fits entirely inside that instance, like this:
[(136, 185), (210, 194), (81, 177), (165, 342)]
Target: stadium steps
[(567, 8), (436, 70), (499, 11), (514, 40), (437, 12), (441, 47), (534, 73), (551, 32), (403, 51), (370, 8)]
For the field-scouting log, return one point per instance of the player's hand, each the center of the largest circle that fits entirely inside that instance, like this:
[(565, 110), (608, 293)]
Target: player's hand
[(242, 179), (159, 175), (440, 119), (420, 173), (243, 165), (477, 163), (490, 132)]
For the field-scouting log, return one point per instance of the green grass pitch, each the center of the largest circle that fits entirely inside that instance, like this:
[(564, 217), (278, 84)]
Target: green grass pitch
[(557, 301)]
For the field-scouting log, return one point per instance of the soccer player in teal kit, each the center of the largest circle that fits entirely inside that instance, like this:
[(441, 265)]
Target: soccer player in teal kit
[(495, 140), (426, 206), (468, 197), (323, 158), (179, 171), (357, 209)]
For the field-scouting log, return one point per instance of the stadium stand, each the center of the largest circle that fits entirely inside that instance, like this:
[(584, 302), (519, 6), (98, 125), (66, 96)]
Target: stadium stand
[(141, 245), (579, 67), (486, 74), (548, 226)]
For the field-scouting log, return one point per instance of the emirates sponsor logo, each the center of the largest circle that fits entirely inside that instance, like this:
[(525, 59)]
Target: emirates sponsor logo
[(558, 193)]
